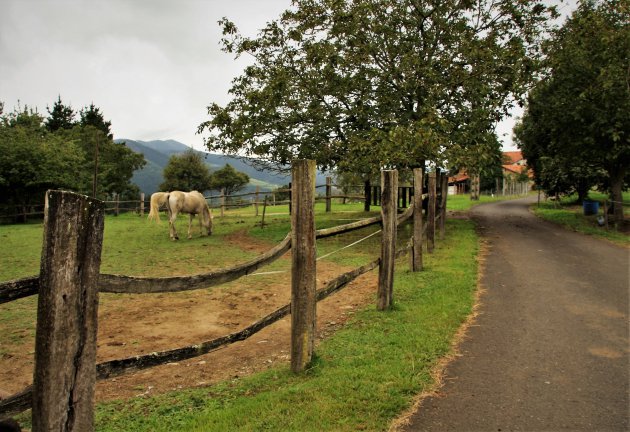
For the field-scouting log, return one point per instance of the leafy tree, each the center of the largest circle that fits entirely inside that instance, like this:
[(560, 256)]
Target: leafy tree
[(61, 116), (116, 162), (33, 160), (576, 130), (229, 179), (186, 172), (92, 116), (361, 85)]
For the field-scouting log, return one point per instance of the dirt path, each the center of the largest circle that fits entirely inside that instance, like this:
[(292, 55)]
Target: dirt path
[(139, 324), (549, 350)]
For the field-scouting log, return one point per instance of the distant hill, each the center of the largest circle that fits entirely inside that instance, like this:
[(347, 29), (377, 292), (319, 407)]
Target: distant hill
[(158, 152)]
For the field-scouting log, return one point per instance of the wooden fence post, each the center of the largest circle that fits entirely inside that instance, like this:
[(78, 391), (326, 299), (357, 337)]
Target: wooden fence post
[(256, 199), (431, 213), (65, 340), (389, 204), (222, 201), (303, 264), (290, 196), (262, 222), (367, 193), (142, 204), (416, 251), (444, 192), (117, 205), (328, 194)]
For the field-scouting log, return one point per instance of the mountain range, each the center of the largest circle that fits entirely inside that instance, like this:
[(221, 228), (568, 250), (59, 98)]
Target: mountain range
[(158, 152)]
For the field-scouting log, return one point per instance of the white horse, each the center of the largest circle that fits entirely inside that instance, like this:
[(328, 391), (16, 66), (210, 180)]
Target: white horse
[(192, 203), (158, 200)]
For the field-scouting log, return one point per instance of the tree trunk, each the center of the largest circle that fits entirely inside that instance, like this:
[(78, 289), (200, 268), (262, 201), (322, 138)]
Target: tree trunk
[(616, 188)]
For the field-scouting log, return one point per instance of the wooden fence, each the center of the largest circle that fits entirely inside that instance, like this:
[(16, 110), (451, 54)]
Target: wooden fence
[(62, 394)]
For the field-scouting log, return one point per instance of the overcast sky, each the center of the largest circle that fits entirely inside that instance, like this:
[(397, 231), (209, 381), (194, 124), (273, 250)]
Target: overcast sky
[(151, 66)]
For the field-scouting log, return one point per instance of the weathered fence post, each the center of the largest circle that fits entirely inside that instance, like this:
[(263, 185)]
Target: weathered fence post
[(256, 199), (142, 204), (389, 204), (222, 201), (416, 251), (290, 196), (262, 222), (117, 205), (444, 192), (328, 194), (303, 264), (367, 193), (431, 213), (65, 339)]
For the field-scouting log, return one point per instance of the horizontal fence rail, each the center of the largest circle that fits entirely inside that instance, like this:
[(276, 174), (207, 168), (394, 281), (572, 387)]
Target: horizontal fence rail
[(109, 283), (20, 288)]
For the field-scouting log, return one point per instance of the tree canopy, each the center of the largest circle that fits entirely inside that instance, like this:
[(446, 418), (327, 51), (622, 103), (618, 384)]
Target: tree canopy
[(361, 85), (37, 154), (186, 172), (60, 117), (229, 179), (575, 132)]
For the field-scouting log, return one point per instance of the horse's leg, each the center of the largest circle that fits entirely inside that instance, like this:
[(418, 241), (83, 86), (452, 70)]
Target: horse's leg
[(171, 225), (190, 218)]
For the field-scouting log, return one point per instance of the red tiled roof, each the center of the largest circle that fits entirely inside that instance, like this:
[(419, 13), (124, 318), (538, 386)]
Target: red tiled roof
[(517, 169), (459, 177), (514, 156)]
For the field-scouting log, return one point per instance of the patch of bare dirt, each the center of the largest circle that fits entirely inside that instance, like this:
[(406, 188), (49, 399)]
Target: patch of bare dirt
[(132, 325)]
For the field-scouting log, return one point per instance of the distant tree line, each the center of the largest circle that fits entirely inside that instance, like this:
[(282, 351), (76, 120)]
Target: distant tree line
[(66, 150)]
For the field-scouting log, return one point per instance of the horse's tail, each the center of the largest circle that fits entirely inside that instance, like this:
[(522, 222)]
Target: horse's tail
[(154, 213)]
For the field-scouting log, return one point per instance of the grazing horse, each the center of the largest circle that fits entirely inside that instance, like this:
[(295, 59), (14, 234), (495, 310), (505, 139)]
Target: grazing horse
[(158, 200), (192, 203)]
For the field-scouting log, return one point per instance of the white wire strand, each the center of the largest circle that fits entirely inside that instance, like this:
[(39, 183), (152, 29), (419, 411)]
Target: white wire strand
[(321, 257), (350, 245)]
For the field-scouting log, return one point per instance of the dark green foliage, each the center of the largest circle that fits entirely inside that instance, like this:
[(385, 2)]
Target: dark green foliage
[(362, 85), (61, 116), (575, 133), (92, 116), (229, 179), (186, 172), (37, 154)]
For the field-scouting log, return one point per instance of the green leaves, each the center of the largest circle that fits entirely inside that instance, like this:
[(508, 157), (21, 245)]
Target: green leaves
[(356, 83), (576, 130), (186, 172), (229, 179), (58, 152)]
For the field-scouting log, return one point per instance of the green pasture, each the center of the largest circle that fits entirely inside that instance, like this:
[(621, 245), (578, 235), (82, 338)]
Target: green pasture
[(569, 214), (362, 377)]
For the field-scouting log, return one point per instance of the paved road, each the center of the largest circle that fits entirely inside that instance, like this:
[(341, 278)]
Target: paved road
[(549, 351)]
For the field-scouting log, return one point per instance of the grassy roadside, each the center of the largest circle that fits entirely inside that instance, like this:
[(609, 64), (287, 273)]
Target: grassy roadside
[(463, 202), (362, 377), (570, 215)]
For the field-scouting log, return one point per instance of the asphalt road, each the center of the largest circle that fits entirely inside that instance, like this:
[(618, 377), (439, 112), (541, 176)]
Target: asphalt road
[(549, 350)]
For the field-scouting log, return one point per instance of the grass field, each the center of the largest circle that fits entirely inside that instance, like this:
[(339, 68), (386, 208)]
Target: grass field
[(362, 377), (571, 215)]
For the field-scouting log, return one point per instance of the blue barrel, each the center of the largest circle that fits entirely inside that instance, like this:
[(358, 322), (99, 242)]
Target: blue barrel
[(590, 207)]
